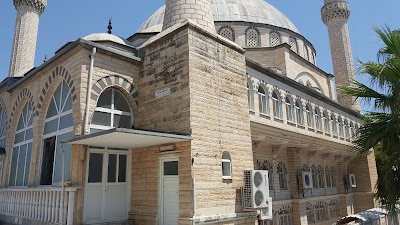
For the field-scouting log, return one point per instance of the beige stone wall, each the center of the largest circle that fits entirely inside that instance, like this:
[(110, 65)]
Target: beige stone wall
[(219, 123)]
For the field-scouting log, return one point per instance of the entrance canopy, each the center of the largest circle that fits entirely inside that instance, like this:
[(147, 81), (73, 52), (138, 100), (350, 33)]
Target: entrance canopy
[(127, 139)]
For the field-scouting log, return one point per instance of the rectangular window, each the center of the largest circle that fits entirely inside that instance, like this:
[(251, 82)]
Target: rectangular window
[(20, 165), (226, 168), (95, 168), (171, 168), (49, 146)]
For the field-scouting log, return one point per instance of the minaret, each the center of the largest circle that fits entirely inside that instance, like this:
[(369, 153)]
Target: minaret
[(335, 15), (26, 30), (199, 11)]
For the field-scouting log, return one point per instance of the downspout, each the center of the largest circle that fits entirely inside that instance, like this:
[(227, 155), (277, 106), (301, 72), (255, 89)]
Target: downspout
[(88, 92)]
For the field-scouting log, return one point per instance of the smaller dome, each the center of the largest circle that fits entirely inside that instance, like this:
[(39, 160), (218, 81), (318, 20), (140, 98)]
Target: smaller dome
[(107, 37)]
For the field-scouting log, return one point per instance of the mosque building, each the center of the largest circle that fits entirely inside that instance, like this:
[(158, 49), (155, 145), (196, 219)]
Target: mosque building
[(158, 128)]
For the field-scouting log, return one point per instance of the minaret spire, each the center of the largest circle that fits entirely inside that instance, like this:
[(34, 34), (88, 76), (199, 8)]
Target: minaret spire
[(198, 11), (25, 37), (335, 14)]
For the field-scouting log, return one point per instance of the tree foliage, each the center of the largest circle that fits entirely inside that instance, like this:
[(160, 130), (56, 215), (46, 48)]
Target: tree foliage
[(382, 124)]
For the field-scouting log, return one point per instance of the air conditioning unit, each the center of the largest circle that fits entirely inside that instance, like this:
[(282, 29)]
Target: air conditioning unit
[(306, 180), (255, 189), (352, 180), (266, 213)]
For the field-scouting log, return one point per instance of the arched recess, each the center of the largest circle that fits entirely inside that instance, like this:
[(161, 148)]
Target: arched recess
[(58, 72), (24, 93), (4, 123), (307, 80)]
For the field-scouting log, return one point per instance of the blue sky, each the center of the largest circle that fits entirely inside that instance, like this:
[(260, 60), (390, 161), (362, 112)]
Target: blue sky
[(64, 21)]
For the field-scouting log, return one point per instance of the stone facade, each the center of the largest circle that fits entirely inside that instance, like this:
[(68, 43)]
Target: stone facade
[(266, 107)]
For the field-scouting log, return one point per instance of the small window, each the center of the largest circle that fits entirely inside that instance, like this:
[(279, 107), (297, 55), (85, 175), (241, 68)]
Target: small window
[(282, 173), (317, 120), (226, 165), (274, 38), (263, 103), (321, 212), (334, 125), (333, 176), (289, 109), (321, 177), (277, 105), (310, 117), (227, 32), (171, 168), (314, 176), (299, 112), (293, 44), (326, 123), (252, 37), (328, 176)]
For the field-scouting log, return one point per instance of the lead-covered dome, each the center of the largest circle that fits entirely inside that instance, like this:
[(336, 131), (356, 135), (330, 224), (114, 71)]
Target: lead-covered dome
[(254, 11)]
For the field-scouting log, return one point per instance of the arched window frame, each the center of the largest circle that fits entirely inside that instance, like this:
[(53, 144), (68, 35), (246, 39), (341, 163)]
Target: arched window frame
[(282, 174), (22, 148), (321, 176), (274, 38), (58, 126), (3, 132), (112, 112), (249, 96), (267, 165), (227, 32), (299, 112), (293, 44), (310, 214), (277, 104), (328, 176), (226, 163), (314, 173), (262, 100), (333, 176), (334, 209), (317, 120), (327, 128), (284, 217), (310, 118), (346, 129), (252, 37), (306, 53), (340, 125), (321, 212), (289, 109), (334, 125)]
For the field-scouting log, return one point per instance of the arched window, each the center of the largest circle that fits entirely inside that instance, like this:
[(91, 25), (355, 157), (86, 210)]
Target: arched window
[(352, 131), (321, 212), (317, 120), (22, 148), (310, 117), (284, 217), (226, 165), (333, 176), (112, 110), (314, 60), (249, 96), (58, 126), (328, 176), (282, 173), (277, 105), (274, 38), (289, 109), (334, 209), (346, 129), (306, 54), (326, 123), (314, 172), (227, 32), (267, 165), (321, 177), (334, 124), (293, 44), (252, 37), (310, 214), (340, 125), (262, 99), (299, 112)]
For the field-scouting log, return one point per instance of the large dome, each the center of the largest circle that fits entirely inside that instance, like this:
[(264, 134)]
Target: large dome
[(255, 11)]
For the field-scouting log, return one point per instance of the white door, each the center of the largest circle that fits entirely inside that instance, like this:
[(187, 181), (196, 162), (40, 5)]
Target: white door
[(169, 192), (106, 192)]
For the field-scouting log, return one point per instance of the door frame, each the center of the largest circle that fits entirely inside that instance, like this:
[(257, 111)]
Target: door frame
[(105, 151), (163, 159)]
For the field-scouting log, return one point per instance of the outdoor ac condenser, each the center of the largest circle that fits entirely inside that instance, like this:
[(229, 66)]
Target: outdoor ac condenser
[(306, 180), (256, 189)]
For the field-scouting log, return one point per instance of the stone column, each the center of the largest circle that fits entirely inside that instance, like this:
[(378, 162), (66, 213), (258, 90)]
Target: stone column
[(335, 15), (198, 11), (26, 30)]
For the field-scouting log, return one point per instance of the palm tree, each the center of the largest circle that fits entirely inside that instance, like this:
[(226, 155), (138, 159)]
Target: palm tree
[(381, 130)]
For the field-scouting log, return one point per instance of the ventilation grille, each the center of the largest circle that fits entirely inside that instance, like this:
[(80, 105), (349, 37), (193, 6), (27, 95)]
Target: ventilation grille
[(247, 194)]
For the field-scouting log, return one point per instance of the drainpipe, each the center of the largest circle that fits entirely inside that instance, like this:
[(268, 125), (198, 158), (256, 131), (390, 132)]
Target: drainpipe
[(89, 90)]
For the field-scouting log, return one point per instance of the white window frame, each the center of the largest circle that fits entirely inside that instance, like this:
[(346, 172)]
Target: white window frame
[(277, 105), (317, 120), (226, 160), (263, 101), (111, 111), (289, 109), (310, 121), (299, 112), (18, 145)]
